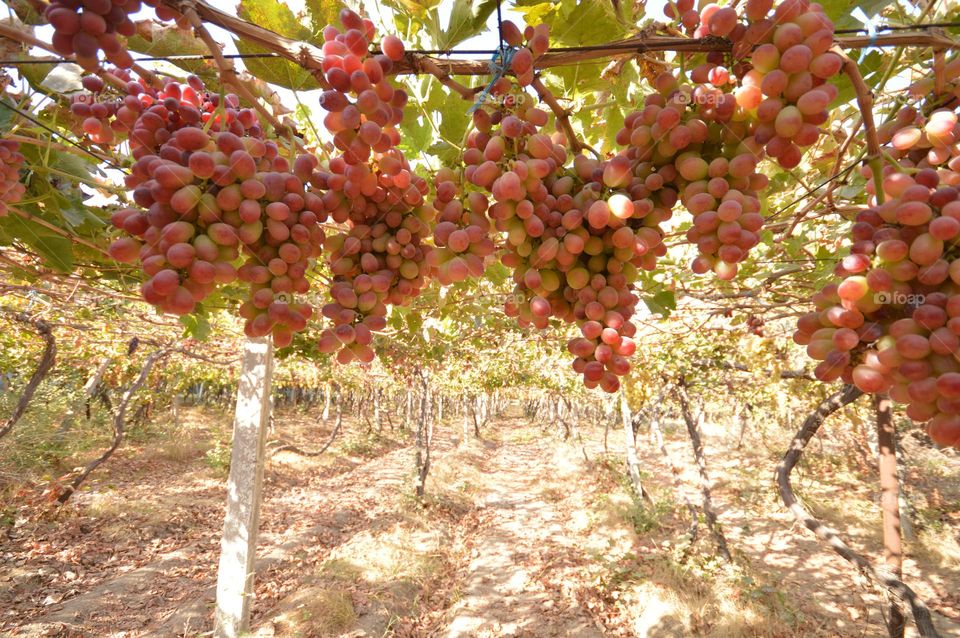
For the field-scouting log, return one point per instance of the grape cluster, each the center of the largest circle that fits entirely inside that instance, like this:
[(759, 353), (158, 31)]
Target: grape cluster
[(574, 239), (776, 73), (381, 257), (11, 188), (679, 151), (462, 234), (787, 86), (923, 140), (83, 28), (892, 323), (210, 195)]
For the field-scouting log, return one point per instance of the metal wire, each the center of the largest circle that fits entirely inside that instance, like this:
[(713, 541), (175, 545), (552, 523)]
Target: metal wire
[(597, 47), (66, 139)]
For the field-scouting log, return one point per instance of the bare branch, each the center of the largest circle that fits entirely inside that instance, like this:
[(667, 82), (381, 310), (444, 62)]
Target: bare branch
[(47, 360), (119, 426)]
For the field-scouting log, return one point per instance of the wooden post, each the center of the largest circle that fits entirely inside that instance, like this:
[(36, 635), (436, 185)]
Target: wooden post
[(890, 506), (244, 488)]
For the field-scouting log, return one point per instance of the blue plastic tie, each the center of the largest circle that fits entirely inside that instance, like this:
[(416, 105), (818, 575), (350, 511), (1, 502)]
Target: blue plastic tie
[(868, 22), (499, 64)]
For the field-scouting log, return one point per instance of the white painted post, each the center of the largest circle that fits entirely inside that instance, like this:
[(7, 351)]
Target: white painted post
[(244, 488)]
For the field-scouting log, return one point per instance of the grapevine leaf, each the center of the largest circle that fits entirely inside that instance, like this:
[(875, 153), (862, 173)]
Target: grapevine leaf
[(34, 73), (323, 13), (663, 303), (536, 11), (73, 165), (63, 78), (418, 8), (197, 326), (157, 40), (417, 134), (585, 23), (414, 321), (497, 273), (467, 19), (55, 250), (839, 11), (273, 15), (26, 11), (277, 17), (7, 114)]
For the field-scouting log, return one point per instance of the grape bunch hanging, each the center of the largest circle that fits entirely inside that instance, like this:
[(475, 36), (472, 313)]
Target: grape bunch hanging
[(892, 321), (211, 189), (11, 188), (380, 258), (84, 28)]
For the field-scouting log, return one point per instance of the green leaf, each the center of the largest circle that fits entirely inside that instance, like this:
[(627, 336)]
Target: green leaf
[(536, 11), (55, 250), (26, 12), (497, 273), (663, 302), (417, 8), (197, 326), (278, 17), (157, 40), (446, 153), (414, 321), (323, 13), (840, 11), (585, 23), (467, 19)]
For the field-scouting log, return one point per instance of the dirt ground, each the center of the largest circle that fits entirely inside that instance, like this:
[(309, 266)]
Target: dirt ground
[(521, 534)]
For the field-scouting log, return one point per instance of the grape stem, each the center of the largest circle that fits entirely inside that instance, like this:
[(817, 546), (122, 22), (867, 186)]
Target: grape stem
[(563, 119), (865, 102), (880, 576), (229, 73)]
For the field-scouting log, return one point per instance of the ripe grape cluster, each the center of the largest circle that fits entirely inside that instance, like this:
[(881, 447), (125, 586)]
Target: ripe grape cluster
[(462, 234), (892, 323), (574, 239), (11, 188), (212, 189), (776, 74), (677, 153), (923, 140), (83, 28), (380, 258)]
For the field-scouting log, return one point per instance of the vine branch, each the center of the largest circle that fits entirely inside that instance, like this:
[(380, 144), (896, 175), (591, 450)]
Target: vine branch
[(310, 56), (425, 64), (119, 426), (229, 73), (47, 361), (865, 102), (563, 119)]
